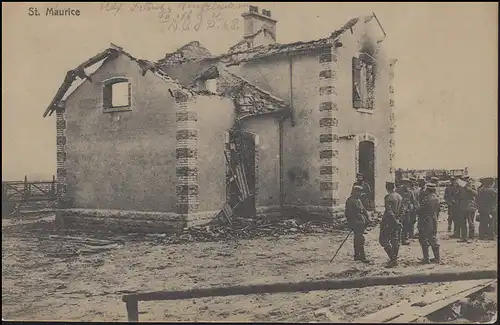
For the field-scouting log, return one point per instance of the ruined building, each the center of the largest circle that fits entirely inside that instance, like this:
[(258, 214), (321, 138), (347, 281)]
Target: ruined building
[(166, 138)]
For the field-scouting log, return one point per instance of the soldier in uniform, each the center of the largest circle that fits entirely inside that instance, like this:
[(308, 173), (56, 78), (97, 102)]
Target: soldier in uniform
[(390, 226), (407, 207), (421, 184), (366, 193), (448, 197), (421, 195), (357, 221), (454, 207), (467, 206), (487, 203), (413, 216), (428, 223)]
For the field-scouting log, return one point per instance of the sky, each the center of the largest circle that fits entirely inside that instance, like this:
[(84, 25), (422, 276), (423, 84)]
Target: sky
[(445, 77)]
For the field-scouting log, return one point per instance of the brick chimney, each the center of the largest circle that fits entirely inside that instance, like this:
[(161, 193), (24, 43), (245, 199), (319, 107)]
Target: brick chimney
[(254, 21)]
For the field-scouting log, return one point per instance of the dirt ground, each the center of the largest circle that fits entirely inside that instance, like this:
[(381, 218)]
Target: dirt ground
[(89, 288)]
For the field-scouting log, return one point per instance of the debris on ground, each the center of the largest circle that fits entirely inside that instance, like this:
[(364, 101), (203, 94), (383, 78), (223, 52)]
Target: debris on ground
[(65, 246), (89, 287), (478, 307), (249, 228), (217, 230)]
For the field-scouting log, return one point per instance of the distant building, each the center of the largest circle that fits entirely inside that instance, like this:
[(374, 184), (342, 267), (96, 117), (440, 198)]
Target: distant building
[(143, 136), (442, 174)]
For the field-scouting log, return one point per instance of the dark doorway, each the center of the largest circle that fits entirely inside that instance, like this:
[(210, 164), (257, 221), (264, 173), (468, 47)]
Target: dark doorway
[(366, 163), (240, 185)]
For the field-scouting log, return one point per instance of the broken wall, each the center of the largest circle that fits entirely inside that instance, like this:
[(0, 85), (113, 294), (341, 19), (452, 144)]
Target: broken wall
[(267, 158), (215, 116)]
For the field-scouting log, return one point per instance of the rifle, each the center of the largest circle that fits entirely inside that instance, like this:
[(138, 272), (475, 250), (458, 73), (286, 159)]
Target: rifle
[(343, 242)]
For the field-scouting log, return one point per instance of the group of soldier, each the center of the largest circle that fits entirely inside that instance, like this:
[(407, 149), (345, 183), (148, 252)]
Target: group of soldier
[(415, 202), (466, 205)]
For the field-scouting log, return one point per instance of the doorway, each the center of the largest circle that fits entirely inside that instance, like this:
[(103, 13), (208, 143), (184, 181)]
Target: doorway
[(366, 163), (240, 160)]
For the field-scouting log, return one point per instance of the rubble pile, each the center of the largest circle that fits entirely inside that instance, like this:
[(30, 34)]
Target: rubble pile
[(234, 228), (249, 228)]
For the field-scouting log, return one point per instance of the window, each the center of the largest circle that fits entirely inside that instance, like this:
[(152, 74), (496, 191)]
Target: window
[(116, 95), (208, 85), (363, 77)]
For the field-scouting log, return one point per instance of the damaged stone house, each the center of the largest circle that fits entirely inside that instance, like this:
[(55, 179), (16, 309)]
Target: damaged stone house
[(161, 138)]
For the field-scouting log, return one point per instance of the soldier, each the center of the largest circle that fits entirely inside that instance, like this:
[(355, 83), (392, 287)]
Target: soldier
[(454, 207), (390, 226), (357, 220), (413, 216), (467, 206), (366, 193), (448, 198), (487, 202), (427, 224), (421, 183), (407, 207), (421, 195)]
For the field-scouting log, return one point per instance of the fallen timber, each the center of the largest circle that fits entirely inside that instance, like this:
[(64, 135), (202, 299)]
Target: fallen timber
[(132, 300), (417, 307)]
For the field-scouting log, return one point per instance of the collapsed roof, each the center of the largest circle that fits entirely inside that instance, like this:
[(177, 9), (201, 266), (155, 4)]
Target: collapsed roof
[(191, 51), (195, 51), (249, 99), (110, 53)]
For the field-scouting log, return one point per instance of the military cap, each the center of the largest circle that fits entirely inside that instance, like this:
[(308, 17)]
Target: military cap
[(413, 179), (390, 181), (357, 188), (404, 180), (431, 186), (434, 179), (359, 174)]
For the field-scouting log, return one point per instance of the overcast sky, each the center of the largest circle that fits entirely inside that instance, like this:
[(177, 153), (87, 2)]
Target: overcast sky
[(446, 75)]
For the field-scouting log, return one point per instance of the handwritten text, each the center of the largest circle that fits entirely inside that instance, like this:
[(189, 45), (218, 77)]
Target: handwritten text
[(183, 17)]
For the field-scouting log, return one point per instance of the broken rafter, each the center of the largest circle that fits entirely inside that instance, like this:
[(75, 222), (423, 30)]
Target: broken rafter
[(68, 80), (71, 75)]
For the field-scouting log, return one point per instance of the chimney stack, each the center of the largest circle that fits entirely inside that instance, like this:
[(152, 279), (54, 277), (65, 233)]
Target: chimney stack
[(255, 21), (266, 13)]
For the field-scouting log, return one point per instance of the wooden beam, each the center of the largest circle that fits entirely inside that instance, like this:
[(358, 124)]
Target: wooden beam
[(417, 306), (459, 290), (307, 286)]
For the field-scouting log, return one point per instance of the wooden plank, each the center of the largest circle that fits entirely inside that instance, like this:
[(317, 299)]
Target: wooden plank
[(404, 312), (461, 290), (82, 240), (321, 285)]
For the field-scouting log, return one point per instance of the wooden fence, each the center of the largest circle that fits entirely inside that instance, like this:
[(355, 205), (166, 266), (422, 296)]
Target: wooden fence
[(18, 192)]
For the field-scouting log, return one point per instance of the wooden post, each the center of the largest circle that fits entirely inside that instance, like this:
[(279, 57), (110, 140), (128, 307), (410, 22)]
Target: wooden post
[(53, 185), (132, 310), (26, 188)]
